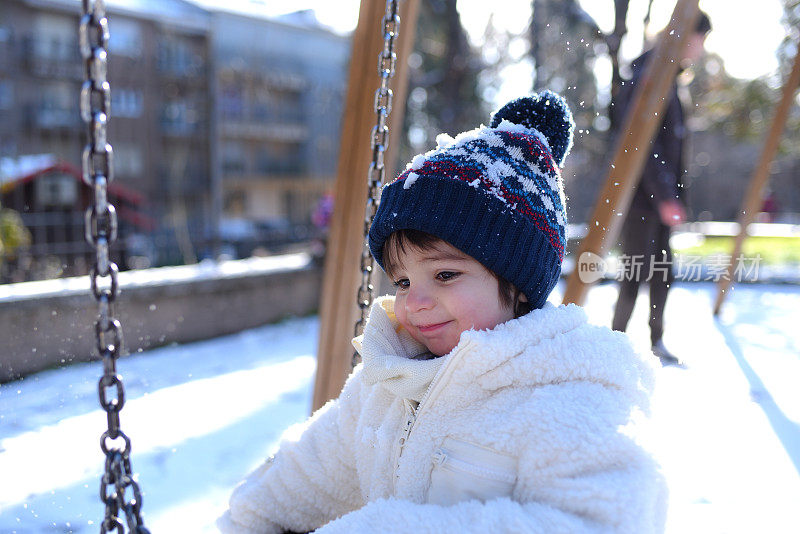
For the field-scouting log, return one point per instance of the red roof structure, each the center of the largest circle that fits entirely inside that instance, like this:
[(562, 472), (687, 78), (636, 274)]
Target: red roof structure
[(131, 200)]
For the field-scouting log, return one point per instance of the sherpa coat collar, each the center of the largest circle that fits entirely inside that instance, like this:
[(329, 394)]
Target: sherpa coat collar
[(389, 352), (392, 357)]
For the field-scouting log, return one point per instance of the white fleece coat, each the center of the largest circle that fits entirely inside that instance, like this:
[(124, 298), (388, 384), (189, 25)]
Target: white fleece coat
[(530, 427)]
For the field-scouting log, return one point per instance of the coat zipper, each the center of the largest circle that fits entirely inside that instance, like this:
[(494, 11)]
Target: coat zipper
[(442, 458), (412, 414), (410, 417)]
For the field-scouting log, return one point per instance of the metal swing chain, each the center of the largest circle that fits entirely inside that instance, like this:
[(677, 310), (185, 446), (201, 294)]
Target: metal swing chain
[(387, 61), (101, 231)]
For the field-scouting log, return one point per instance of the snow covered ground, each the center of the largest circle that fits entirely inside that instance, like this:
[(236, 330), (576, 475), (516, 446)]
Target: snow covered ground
[(202, 415)]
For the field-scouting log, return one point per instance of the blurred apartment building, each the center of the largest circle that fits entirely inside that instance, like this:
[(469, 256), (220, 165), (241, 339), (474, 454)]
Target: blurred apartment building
[(279, 108), (216, 115)]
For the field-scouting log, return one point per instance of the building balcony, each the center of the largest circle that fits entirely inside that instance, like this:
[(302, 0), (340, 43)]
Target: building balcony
[(189, 70), (287, 81), (8, 57), (265, 174), (180, 128), (291, 114), (52, 58), (258, 130), (281, 167), (234, 167), (52, 68), (54, 118)]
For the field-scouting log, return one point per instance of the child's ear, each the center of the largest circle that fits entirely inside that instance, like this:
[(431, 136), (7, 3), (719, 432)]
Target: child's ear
[(523, 298)]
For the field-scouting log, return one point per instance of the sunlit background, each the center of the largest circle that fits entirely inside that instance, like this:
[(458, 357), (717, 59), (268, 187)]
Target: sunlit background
[(745, 34)]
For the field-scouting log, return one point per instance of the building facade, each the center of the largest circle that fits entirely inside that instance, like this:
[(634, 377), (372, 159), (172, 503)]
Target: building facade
[(215, 114), (280, 106)]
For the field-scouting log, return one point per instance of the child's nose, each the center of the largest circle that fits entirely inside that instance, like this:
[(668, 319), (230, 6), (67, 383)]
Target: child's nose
[(419, 298)]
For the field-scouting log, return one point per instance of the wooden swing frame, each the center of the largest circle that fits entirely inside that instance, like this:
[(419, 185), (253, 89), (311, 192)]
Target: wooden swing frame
[(758, 181)]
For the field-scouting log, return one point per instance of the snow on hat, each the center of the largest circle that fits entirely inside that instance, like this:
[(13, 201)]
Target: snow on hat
[(495, 193)]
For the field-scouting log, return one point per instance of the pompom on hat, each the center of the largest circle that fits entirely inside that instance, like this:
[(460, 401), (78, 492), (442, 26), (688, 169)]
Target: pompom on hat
[(495, 193)]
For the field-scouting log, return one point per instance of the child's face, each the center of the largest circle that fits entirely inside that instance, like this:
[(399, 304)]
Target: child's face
[(442, 292)]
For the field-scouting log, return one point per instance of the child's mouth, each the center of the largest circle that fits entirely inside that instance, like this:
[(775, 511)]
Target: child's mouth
[(429, 328)]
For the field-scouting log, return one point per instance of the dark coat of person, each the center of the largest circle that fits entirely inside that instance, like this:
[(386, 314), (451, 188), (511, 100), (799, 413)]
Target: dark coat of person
[(662, 176)]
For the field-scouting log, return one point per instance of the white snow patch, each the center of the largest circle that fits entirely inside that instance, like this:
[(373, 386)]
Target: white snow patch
[(410, 180), (200, 416), (444, 140), (418, 161), (508, 126)]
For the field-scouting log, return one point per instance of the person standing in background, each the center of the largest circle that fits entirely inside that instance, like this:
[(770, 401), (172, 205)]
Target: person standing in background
[(657, 204)]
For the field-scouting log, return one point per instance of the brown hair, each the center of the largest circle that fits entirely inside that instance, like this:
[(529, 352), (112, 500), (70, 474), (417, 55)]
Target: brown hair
[(397, 242)]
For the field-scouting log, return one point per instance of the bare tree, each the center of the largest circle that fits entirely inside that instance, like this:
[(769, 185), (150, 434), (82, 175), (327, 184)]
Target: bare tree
[(444, 89)]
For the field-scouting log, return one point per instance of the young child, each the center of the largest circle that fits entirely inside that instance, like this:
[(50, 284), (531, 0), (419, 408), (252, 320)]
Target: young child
[(479, 406)]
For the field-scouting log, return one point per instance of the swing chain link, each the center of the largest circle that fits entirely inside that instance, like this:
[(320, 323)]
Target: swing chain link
[(101, 232), (387, 61)]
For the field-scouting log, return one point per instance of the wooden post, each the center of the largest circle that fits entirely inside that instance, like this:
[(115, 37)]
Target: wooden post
[(752, 199), (338, 309), (643, 118)]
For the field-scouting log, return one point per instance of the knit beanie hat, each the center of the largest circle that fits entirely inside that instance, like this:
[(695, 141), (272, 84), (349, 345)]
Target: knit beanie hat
[(495, 193)]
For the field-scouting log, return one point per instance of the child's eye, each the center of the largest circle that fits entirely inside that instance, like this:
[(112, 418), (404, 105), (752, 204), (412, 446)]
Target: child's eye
[(444, 276), (402, 283)]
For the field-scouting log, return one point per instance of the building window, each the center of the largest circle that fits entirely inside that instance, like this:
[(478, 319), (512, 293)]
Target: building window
[(181, 116), (56, 38), (59, 148), (234, 158), (128, 160), (126, 38), (232, 102), (277, 106), (277, 158), (235, 202), (57, 107), (178, 57), (6, 94), (127, 103), (57, 191)]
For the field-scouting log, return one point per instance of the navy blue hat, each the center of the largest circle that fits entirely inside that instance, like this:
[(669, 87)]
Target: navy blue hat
[(495, 193)]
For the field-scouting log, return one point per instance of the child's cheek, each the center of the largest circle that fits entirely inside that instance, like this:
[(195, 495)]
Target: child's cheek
[(400, 310), (402, 319)]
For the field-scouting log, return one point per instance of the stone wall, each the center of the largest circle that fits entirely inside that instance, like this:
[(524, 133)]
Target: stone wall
[(52, 324)]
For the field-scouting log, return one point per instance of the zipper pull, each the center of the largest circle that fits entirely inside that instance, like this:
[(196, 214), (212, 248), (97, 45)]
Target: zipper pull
[(407, 430), (439, 457), (411, 416)]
